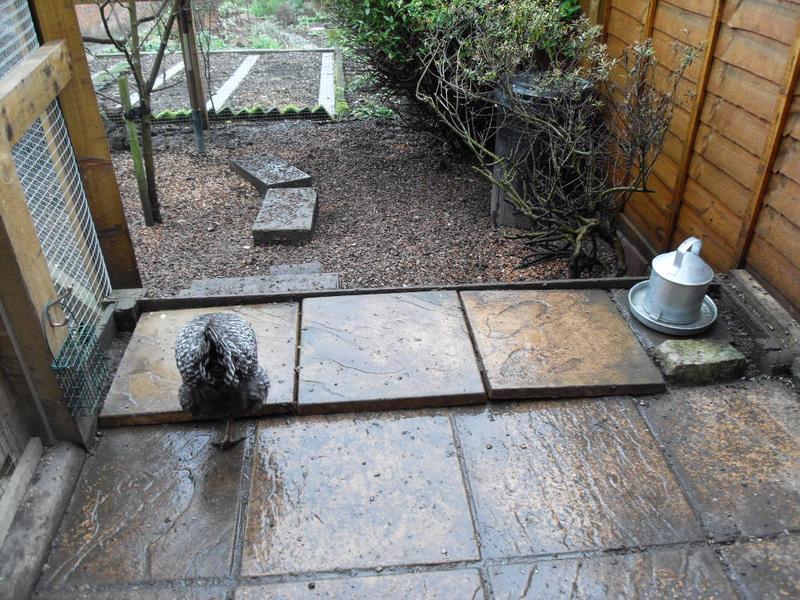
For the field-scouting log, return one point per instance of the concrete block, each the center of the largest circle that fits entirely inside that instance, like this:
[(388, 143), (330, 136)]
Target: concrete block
[(268, 172), (286, 216), (772, 357), (296, 269), (256, 286), (698, 361), (126, 314)]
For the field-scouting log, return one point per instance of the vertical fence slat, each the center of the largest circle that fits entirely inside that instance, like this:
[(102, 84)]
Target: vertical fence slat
[(650, 19), (771, 152), (694, 124)]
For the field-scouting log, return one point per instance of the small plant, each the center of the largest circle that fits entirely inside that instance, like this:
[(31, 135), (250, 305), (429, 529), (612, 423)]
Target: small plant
[(371, 110), (264, 42)]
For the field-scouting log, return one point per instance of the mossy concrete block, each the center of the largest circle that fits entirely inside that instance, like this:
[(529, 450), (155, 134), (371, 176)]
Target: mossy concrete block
[(699, 362)]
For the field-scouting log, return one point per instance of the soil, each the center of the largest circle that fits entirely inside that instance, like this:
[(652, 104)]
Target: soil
[(278, 80), (395, 209)]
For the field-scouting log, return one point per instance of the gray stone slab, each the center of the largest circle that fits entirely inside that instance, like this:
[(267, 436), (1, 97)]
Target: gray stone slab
[(556, 343), (383, 351), (768, 568), (27, 543), (736, 450), (268, 172), (145, 387), (308, 268), (286, 216), (267, 284), (441, 585), (650, 338), (154, 503), (652, 575), (344, 492), (698, 362), (569, 476), (139, 592)]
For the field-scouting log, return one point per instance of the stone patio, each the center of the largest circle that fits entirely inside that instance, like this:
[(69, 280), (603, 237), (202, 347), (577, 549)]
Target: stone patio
[(689, 493), (531, 500)]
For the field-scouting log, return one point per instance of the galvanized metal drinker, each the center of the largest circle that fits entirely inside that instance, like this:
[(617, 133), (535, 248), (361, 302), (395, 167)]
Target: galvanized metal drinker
[(674, 299)]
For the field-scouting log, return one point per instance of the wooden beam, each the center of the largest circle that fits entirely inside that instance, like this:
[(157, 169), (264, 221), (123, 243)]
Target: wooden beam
[(27, 288), (29, 87), (56, 19), (694, 123), (606, 18), (650, 19), (774, 139), (191, 60)]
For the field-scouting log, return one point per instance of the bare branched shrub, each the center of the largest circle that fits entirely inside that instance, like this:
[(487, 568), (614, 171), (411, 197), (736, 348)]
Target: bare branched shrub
[(580, 131)]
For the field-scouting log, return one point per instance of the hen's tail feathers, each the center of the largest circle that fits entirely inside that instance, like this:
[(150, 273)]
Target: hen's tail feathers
[(217, 360)]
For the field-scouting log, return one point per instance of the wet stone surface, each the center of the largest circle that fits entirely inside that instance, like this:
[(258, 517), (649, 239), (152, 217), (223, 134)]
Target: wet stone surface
[(139, 592), (736, 450), (154, 503), (568, 476), (345, 492), (450, 585), (145, 388), (535, 344), (286, 216), (650, 575), (267, 172), (766, 569), (386, 351)]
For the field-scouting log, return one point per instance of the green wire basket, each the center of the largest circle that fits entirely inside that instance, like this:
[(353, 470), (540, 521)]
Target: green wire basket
[(82, 371)]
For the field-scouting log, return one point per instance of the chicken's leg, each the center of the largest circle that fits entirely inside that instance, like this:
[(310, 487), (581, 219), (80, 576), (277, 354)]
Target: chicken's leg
[(226, 442)]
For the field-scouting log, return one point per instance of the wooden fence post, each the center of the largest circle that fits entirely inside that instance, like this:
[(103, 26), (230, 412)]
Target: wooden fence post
[(56, 19), (694, 124), (650, 19), (771, 151)]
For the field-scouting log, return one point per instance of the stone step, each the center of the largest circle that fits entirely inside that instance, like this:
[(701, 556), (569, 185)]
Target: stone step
[(296, 269), (267, 284), (287, 215), (268, 172)]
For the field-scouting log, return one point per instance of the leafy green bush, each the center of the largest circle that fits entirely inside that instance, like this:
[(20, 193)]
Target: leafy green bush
[(268, 8), (392, 37)]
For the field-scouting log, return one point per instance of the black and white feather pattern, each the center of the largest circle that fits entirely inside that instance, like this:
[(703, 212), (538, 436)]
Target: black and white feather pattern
[(217, 358)]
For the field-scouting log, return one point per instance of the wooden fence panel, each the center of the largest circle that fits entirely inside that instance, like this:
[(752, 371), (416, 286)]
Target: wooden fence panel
[(730, 172)]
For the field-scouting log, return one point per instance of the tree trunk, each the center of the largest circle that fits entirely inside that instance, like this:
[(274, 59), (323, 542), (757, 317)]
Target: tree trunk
[(147, 155)]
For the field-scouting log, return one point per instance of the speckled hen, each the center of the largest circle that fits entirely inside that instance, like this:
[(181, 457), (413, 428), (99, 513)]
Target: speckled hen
[(217, 357)]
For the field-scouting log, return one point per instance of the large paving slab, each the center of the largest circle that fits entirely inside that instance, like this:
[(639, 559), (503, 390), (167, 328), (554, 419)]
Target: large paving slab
[(680, 573), (138, 592), (286, 216), (265, 284), (386, 351), (569, 476), (330, 493), (145, 388), (766, 569), (153, 503), (736, 450), (268, 172), (556, 343), (437, 585)]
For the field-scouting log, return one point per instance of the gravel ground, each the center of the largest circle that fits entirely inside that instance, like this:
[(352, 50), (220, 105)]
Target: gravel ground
[(279, 80), (395, 210)]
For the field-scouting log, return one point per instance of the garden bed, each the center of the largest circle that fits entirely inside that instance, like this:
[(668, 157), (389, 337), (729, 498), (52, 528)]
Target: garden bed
[(279, 80), (394, 209)]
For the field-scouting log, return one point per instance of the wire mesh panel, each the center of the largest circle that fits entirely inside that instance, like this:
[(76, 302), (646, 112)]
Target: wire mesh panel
[(52, 185), (57, 202)]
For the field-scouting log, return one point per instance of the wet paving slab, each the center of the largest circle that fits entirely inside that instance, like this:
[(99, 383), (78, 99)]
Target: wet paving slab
[(386, 351), (145, 388), (689, 572), (139, 592), (767, 568), (553, 477), (366, 491), (154, 503), (736, 450), (534, 344), (439, 585)]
